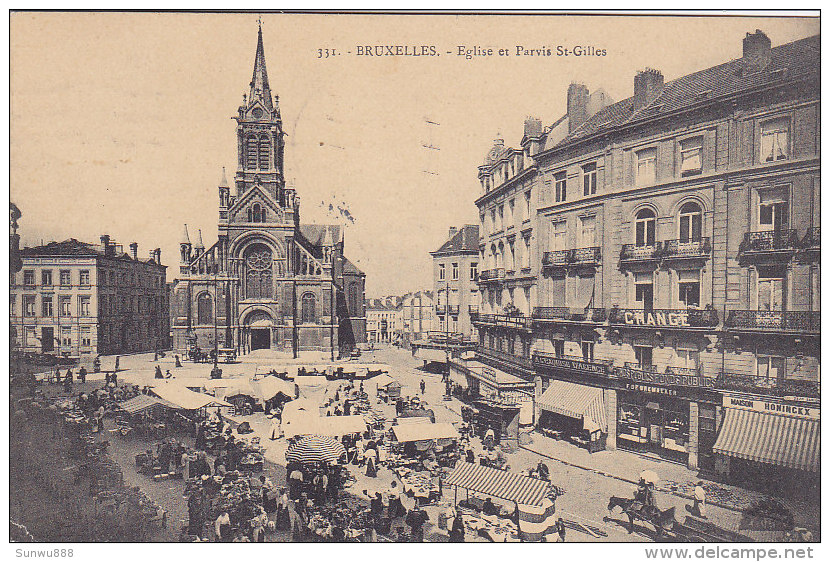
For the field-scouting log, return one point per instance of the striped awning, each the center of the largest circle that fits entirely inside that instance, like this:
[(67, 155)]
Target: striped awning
[(769, 438), (575, 401), (498, 483), (536, 521), (143, 402), (316, 448)]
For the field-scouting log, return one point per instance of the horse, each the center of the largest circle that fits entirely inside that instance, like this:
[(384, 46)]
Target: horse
[(662, 520)]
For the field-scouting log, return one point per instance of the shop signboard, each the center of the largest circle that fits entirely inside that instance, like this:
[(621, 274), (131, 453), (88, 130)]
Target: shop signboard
[(667, 318), (807, 411), (665, 379), (651, 388), (570, 364)]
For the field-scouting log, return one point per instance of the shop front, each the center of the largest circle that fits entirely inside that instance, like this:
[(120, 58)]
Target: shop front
[(575, 413), (771, 443)]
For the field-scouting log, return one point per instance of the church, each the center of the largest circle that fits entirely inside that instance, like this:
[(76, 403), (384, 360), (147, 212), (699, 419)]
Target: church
[(269, 281)]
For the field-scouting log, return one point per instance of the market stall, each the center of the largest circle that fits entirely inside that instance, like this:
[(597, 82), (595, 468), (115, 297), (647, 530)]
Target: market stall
[(331, 426), (316, 449), (148, 416), (187, 399), (388, 388), (574, 412)]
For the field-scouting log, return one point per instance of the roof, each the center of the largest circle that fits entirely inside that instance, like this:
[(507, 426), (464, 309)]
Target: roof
[(498, 483), (385, 303), (787, 62), (350, 268), (465, 240), (330, 426), (185, 398), (316, 233), (407, 432), (260, 89), (73, 247), (143, 402)]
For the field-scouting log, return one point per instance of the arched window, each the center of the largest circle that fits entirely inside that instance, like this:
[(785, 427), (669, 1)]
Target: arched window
[(250, 215), (251, 152), (691, 222), (309, 312), (264, 152), (204, 309), (259, 265), (644, 228), (257, 213), (354, 300)]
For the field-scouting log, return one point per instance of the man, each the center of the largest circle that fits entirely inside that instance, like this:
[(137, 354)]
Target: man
[(222, 527), (82, 374), (699, 507), (416, 520), (457, 529), (560, 529), (489, 439), (423, 386)]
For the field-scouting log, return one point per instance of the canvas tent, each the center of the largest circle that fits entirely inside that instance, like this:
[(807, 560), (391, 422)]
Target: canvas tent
[(144, 402), (185, 398), (424, 432), (331, 426)]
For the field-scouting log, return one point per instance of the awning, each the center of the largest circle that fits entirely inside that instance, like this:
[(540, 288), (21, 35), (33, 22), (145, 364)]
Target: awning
[(424, 432), (270, 386), (315, 448), (498, 483), (143, 402), (330, 426), (384, 380), (186, 399), (772, 439), (577, 401)]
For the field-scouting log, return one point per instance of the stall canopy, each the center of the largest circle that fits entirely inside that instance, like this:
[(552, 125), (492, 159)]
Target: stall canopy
[(331, 426), (424, 432), (769, 438), (269, 387), (185, 398), (384, 380), (498, 483), (144, 402), (577, 401), (403, 421), (315, 448)]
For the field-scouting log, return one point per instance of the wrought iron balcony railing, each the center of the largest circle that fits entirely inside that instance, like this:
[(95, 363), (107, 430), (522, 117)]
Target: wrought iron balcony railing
[(505, 357), (804, 321), (633, 252), (472, 309), (770, 387), (441, 308), (770, 241), (687, 248), (504, 320), (556, 258), (576, 256), (491, 274), (665, 317), (453, 309), (590, 255), (568, 314)]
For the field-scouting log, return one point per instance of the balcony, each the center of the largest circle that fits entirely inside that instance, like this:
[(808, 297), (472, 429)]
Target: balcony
[(565, 258), (504, 357), (473, 310), (680, 249), (772, 241), (491, 275), (565, 314), (504, 321), (812, 240), (440, 309), (665, 317), (769, 387), (634, 253), (453, 309), (572, 363), (775, 320)]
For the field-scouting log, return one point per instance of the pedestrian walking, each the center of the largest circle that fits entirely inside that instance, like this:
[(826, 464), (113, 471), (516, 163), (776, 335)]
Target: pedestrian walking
[(560, 529), (158, 373), (82, 374), (117, 362), (423, 386), (699, 507)]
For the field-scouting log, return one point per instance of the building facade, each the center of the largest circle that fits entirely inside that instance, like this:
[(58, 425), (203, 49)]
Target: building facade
[(677, 261), (384, 320), (418, 315), (455, 282), (269, 281), (81, 300)]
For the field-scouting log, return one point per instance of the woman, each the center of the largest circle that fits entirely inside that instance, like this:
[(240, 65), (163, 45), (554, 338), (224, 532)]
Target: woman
[(222, 527), (371, 463), (283, 515)]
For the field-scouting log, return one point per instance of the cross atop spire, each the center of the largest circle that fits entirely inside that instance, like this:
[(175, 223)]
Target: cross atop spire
[(260, 90)]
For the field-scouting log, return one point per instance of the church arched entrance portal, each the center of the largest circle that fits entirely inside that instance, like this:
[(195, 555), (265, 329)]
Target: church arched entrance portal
[(259, 326)]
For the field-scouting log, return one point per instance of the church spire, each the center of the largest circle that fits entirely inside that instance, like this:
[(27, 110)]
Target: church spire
[(260, 90)]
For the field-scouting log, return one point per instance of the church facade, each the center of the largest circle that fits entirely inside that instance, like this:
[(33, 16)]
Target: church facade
[(269, 281)]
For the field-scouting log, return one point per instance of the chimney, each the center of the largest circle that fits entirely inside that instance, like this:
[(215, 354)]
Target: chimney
[(577, 105), (158, 255), (134, 250), (453, 231), (533, 127), (647, 85), (757, 47), (105, 244)]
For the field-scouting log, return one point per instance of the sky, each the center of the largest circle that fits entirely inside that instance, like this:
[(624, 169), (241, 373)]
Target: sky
[(121, 123)]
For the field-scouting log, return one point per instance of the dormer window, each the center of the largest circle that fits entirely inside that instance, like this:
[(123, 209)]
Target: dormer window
[(775, 140)]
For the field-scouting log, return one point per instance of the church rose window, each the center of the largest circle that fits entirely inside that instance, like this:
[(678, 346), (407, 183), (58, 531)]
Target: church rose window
[(259, 266)]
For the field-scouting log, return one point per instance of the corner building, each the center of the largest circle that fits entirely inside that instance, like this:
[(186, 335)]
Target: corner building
[(269, 281), (678, 263)]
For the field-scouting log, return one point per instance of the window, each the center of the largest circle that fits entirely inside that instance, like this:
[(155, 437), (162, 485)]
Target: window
[(29, 336), (589, 179), (86, 336), (442, 272), (46, 277), (559, 348), (691, 160), (264, 152), (644, 291), (643, 356), (493, 219), (587, 233), (12, 305), (309, 305), (501, 217), (775, 140), (251, 152), (526, 253), (28, 277), (588, 351), (560, 186), (688, 283), (527, 205), (511, 212), (511, 262), (771, 369), (644, 228), (772, 211), (66, 306), (204, 309), (66, 336), (770, 291), (259, 265), (688, 358), (646, 166), (691, 222), (560, 231), (65, 278), (84, 275), (47, 309), (455, 272), (473, 271), (28, 305)]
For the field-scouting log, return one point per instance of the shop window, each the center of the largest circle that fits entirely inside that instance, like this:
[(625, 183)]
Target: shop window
[(688, 283), (775, 140), (628, 422), (676, 427), (646, 166), (691, 222), (644, 228), (691, 161), (589, 179), (643, 356)]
